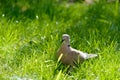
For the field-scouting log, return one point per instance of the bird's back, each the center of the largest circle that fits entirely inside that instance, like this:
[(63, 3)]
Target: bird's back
[(77, 56)]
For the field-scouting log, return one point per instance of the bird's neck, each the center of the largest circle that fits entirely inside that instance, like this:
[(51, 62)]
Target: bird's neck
[(66, 44)]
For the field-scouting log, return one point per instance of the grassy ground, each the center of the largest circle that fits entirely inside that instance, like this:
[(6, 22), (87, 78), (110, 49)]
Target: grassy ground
[(30, 34)]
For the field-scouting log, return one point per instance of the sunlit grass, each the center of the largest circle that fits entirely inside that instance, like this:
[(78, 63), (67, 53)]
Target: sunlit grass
[(28, 46)]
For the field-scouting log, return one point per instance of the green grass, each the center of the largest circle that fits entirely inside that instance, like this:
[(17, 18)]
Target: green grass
[(29, 40)]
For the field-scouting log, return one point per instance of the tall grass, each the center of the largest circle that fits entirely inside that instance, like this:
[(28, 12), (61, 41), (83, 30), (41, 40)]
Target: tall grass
[(29, 40)]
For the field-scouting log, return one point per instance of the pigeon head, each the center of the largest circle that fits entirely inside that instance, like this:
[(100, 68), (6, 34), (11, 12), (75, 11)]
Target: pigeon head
[(66, 39)]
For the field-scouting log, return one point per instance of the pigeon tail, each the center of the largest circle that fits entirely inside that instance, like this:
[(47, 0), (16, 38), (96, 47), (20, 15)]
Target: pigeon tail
[(91, 56)]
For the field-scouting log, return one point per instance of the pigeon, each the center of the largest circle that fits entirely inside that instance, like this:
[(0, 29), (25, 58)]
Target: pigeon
[(70, 56)]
